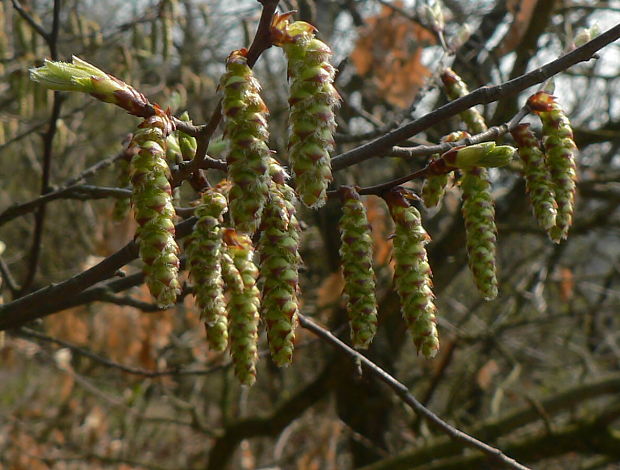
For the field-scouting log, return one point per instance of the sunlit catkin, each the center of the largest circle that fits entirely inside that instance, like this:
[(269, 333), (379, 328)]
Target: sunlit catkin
[(537, 178), (479, 214), (245, 127), (279, 266), (312, 99), (203, 251), (560, 150), (243, 307), (153, 210), (359, 277), (412, 275)]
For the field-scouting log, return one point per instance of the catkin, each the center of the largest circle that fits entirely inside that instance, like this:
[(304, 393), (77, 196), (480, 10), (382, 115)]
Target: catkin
[(203, 249), (245, 127), (312, 100), (279, 266), (478, 209), (479, 214), (560, 150), (537, 178), (412, 275), (243, 307), (359, 277), (153, 210)]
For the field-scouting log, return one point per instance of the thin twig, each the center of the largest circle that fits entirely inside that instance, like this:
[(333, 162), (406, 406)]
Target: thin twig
[(482, 95), (48, 139), (402, 391)]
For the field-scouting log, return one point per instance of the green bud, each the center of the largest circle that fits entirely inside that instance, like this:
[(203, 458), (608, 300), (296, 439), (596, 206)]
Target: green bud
[(83, 77)]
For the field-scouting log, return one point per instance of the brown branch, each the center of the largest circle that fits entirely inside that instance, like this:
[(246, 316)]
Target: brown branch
[(78, 191), (482, 95), (51, 299), (401, 390)]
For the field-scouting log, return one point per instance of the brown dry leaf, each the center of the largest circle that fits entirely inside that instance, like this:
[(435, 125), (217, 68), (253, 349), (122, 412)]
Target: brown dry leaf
[(567, 284), (485, 375), (330, 290), (389, 50), (69, 325), (522, 11)]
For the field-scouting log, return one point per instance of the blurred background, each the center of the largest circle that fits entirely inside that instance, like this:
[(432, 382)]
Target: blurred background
[(115, 383)]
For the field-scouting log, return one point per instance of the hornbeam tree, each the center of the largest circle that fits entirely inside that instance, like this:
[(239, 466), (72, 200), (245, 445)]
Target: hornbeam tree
[(387, 227)]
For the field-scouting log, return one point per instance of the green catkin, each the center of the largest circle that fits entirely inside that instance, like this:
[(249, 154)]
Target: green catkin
[(478, 208), (412, 274), (312, 100), (203, 251), (243, 307), (153, 210), (279, 266), (359, 277), (560, 150), (479, 214), (245, 127), (537, 178), (455, 88), (434, 186)]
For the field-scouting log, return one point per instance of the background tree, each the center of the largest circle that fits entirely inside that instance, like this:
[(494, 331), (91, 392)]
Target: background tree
[(96, 375)]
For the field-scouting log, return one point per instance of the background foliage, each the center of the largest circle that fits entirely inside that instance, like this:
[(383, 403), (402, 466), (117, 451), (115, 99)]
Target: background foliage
[(115, 383)]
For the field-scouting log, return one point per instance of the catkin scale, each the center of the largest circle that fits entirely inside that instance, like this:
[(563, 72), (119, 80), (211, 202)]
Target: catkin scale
[(245, 127), (153, 210), (203, 251), (312, 98), (412, 274), (560, 150), (359, 277)]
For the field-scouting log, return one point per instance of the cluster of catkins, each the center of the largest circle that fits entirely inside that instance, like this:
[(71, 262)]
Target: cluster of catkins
[(550, 176), (235, 287)]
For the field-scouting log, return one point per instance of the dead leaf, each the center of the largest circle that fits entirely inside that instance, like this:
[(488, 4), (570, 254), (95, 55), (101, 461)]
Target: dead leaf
[(567, 284), (389, 50), (330, 290), (485, 375)]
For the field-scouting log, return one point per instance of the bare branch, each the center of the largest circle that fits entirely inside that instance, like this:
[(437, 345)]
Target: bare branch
[(401, 390)]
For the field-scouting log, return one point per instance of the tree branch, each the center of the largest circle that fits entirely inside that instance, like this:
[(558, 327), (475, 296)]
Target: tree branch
[(401, 390), (482, 95)]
